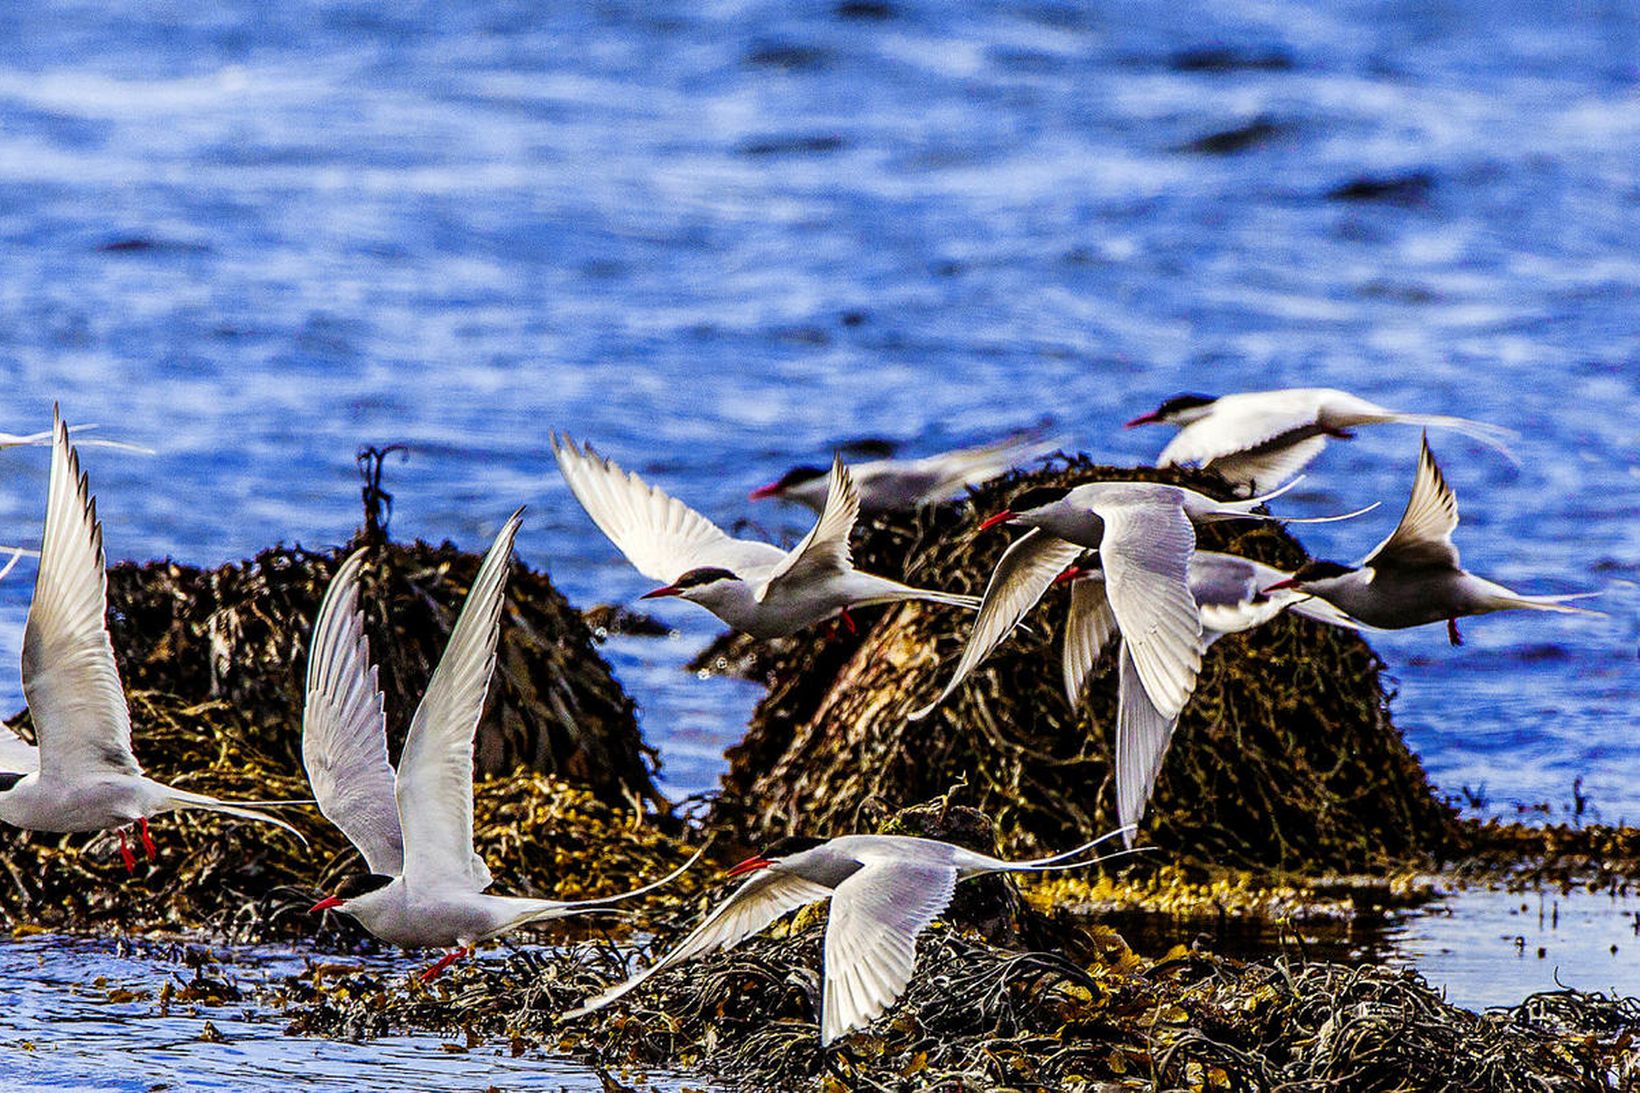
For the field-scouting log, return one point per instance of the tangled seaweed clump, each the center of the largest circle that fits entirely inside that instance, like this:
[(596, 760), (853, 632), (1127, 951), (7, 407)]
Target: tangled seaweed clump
[(978, 1017), (1286, 756)]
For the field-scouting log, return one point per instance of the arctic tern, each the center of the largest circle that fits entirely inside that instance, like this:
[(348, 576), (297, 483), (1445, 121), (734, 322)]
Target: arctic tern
[(884, 891), (1413, 577), (1257, 440), (83, 775), (755, 587), (414, 827)]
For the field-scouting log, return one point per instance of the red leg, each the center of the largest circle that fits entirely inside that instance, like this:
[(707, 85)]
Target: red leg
[(444, 962), (125, 852), (147, 839), (848, 621), (1452, 634)]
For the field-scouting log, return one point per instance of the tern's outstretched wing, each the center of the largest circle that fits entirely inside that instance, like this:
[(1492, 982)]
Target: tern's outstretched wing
[(344, 728), (1424, 535), (69, 676), (1023, 574), (1089, 626), (763, 898), (435, 782), (661, 536), (824, 550), (871, 938)]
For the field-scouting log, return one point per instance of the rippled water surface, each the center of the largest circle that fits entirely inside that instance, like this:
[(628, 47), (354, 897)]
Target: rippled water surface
[(719, 238)]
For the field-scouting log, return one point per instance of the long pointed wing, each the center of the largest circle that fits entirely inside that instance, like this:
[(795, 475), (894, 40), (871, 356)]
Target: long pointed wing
[(1089, 626), (824, 550), (1143, 734), (1145, 553), (871, 938), (950, 472), (69, 676), (661, 536), (435, 782), (1242, 423), (1023, 574), (1424, 535), (344, 728), (1270, 464), (757, 902)]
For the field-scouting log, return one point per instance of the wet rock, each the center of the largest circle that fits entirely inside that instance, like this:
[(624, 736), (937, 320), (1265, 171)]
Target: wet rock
[(1286, 755), (608, 619)]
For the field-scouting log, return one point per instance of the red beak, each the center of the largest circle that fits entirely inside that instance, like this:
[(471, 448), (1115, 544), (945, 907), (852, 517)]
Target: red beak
[(669, 590), (1071, 573), (1000, 518), (326, 904), (1151, 418), (1290, 582), (750, 865), (771, 490)]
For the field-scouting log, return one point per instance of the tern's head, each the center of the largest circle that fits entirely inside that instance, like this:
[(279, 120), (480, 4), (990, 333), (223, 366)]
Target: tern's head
[(360, 884), (775, 854), (1315, 576), (789, 481), (1028, 507), (700, 585), (1178, 410)]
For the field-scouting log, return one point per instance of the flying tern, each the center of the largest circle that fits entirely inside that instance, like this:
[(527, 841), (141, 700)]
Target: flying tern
[(414, 827), (884, 891), (1260, 439), (83, 775), (1229, 592), (1144, 533), (753, 586), (1413, 577), (890, 485)]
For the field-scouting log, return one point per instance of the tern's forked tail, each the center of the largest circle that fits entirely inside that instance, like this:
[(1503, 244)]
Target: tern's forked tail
[(176, 799), (544, 909)]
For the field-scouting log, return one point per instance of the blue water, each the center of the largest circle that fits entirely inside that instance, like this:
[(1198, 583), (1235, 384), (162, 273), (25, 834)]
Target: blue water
[(719, 238)]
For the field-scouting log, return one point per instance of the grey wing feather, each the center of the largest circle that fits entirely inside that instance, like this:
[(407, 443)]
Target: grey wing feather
[(344, 728), (435, 781), (824, 550), (1023, 574), (1089, 626), (871, 938), (1146, 554), (757, 902), (1424, 535), (1143, 734), (69, 676)]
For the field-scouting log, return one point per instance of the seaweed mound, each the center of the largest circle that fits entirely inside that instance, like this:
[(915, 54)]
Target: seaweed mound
[(978, 1017), (1286, 756), (239, 634), (245, 881)]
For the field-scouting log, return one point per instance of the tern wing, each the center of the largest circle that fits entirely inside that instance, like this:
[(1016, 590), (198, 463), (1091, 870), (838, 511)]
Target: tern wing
[(1244, 423), (948, 473), (1089, 626), (1424, 535), (344, 728), (661, 536), (871, 938), (1270, 464), (1145, 553), (760, 900), (1143, 734), (69, 676), (435, 782), (1023, 574), (824, 550)]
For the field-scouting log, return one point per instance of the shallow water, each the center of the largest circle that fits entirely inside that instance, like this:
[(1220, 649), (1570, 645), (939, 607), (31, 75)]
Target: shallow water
[(84, 1014), (718, 239)]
